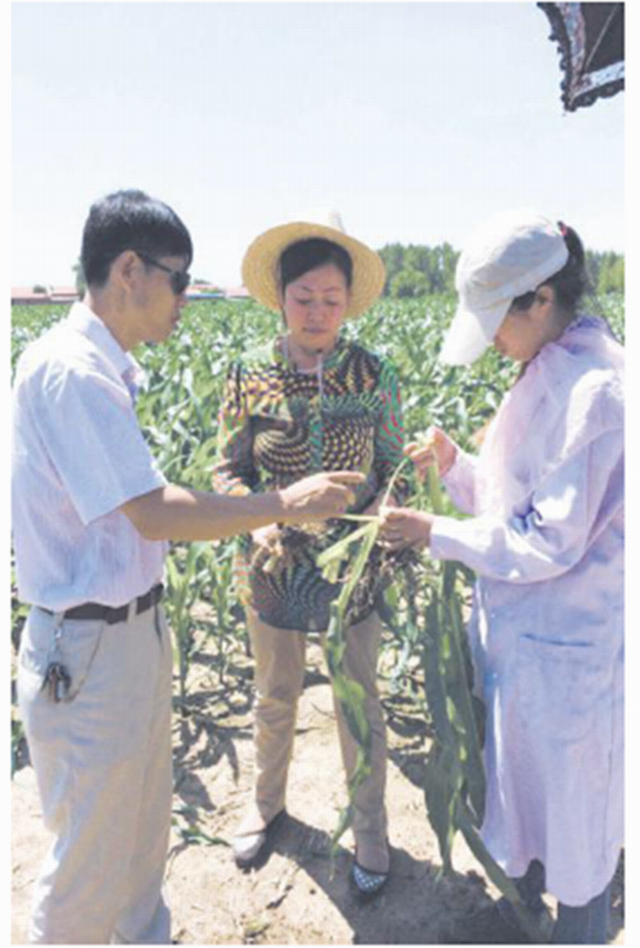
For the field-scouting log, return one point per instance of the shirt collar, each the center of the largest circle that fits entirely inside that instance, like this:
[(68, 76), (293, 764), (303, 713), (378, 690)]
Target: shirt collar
[(85, 321)]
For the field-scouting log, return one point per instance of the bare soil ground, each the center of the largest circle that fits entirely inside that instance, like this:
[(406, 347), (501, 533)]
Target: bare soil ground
[(296, 897)]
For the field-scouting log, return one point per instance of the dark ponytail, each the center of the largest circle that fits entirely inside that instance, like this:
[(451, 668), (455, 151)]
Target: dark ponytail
[(572, 282)]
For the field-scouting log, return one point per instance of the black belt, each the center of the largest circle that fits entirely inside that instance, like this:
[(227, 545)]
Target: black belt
[(113, 614)]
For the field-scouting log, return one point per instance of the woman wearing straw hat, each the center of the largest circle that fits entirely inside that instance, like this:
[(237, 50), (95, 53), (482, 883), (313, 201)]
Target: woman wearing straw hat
[(310, 401)]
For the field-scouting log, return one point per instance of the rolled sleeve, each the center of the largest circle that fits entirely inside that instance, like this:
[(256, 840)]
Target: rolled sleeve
[(459, 481), (569, 507)]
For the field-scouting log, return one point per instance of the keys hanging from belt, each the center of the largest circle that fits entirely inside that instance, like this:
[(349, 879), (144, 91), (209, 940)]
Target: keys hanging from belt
[(57, 681)]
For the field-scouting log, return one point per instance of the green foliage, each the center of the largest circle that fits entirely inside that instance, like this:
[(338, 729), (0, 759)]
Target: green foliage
[(188, 574), (29, 322), (606, 270), (416, 270), (408, 283)]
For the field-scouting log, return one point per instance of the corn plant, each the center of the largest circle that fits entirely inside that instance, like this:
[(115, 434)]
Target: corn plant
[(454, 781), (188, 572), (350, 693), (455, 784)]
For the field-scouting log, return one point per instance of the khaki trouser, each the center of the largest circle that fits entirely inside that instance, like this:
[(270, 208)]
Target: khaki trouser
[(103, 766), (280, 664)]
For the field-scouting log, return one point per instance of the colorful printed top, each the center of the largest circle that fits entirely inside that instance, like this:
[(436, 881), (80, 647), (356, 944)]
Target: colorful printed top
[(279, 424)]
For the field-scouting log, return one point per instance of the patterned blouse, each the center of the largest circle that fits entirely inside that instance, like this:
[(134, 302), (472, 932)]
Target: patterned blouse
[(277, 425)]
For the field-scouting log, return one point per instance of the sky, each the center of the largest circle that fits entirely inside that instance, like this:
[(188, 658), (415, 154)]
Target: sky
[(414, 120)]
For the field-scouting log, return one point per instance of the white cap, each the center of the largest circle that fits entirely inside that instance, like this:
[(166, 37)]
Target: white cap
[(511, 254)]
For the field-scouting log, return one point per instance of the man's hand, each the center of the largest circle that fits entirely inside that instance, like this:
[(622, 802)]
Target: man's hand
[(403, 527), (320, 496), (434, 448)]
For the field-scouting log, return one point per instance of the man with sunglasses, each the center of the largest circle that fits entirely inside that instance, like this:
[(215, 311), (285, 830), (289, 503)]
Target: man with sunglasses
[(92, 517)]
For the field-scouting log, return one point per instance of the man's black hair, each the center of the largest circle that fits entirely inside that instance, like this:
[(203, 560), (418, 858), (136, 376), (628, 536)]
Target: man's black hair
[(130, 220)]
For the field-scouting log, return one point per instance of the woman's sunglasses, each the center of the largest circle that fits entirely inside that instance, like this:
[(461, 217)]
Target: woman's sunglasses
[(179, 279)]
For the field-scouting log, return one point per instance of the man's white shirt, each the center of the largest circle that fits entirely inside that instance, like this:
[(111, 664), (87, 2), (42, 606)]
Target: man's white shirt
[(78, 455)]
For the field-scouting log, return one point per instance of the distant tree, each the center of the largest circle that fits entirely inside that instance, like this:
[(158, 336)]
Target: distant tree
[(611, 278), (392, 257), (606, 271), (419, 258), (436, 265), (408, 284), (39, 288)]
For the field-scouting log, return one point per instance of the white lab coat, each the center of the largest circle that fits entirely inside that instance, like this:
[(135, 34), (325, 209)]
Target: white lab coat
[(546, 542)]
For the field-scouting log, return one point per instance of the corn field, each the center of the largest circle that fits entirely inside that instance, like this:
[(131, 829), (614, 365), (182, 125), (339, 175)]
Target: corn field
[(424, 652)]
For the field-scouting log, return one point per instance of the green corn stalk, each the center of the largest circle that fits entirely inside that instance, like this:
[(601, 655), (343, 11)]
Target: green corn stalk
[(455, 784), (447, 674), (350, 693), (224, 609), (184, 587)]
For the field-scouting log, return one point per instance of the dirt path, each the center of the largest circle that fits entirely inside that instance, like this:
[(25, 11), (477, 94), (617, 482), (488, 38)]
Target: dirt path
[(293, 898)]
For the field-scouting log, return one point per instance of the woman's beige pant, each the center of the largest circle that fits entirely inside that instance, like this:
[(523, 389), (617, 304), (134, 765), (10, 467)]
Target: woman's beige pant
[(280, 664)]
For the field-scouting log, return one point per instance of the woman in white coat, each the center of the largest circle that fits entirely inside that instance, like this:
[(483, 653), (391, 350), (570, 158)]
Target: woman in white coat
[(545, 538)]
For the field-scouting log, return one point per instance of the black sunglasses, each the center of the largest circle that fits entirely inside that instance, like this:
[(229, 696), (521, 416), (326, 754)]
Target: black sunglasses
[(179, 279)]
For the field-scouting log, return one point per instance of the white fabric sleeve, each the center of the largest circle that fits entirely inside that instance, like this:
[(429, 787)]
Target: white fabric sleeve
[(566, 512), (459, 481), (89, 428)]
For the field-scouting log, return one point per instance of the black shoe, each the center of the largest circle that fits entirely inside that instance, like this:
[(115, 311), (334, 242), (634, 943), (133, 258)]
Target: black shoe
[(367, 884)]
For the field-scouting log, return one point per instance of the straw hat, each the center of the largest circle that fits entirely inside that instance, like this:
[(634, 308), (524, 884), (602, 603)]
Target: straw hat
[(260, 267)]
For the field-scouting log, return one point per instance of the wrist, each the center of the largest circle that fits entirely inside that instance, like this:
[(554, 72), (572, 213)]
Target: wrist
[(279, 504), (427, 526), (285, 506), (446, 466)]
